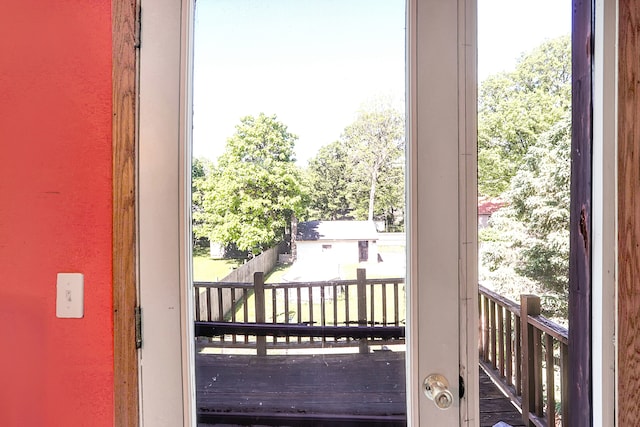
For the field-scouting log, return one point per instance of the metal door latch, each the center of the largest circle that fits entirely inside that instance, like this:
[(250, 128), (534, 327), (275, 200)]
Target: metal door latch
[(436, 388)]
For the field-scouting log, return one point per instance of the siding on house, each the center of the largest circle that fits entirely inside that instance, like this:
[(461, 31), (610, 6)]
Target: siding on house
[(336, 242)]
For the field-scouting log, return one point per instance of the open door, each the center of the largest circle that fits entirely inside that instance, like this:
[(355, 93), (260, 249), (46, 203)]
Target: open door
[(441, 214), (442, 210)]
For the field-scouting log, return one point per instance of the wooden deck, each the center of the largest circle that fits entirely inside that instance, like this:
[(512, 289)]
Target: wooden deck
[(322, 390), (495, 406)]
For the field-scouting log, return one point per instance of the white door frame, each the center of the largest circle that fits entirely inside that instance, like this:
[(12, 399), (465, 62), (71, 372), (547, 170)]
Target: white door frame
[(604, 213), (442, 268), (442, 206), (167, 389)]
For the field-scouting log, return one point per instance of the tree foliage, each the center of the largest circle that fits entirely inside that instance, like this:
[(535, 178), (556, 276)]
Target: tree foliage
[(527, 247), (201, 169), (362, 174), (376, 147), (329, 174), (255, 186), (515, 107)]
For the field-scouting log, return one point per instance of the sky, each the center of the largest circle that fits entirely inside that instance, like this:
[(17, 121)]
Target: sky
[(315, 63)]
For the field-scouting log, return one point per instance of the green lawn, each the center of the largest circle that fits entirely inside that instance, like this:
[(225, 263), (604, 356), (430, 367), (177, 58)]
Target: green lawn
[(276, 274), (305, 308), (206, 269), (210, 270)]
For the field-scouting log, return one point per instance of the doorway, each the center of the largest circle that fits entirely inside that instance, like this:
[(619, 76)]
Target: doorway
[(603, 315), (363, 251), (441, 145)]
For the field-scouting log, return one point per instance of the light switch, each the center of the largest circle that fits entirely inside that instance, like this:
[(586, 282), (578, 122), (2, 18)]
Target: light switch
[(70, 295)]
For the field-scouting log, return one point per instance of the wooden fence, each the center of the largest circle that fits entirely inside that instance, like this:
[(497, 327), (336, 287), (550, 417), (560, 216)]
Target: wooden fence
[(359, 312), (528, 354)]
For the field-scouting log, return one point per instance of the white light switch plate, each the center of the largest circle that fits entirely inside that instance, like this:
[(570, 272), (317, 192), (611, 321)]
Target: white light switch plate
[(70, 295)]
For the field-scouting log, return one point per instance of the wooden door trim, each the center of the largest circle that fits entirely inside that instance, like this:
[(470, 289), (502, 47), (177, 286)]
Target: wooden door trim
[(125, 360), (580, 279), (628, 213)]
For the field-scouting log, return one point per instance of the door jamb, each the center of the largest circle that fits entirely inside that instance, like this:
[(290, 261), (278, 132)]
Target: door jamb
[(581, 240), (125, 357), (604, 195)]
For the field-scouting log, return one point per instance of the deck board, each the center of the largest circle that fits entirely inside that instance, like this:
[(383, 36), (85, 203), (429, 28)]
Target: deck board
[(495, 406), (320, 390)]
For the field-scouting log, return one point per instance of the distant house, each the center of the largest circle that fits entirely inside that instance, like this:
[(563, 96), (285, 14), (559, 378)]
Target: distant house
[(486, 208), (345, 242)]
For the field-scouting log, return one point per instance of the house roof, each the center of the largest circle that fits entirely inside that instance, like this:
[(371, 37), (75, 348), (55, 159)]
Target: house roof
[(336, 230), (489, 206)]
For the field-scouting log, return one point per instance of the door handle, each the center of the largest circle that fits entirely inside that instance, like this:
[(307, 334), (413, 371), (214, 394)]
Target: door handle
[(436, 388)]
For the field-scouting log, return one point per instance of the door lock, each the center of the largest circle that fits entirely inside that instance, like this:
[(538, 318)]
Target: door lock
[(436, 388)]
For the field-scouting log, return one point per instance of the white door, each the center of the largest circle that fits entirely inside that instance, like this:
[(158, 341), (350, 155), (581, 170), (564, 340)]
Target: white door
[(441, 332), (442, 198)]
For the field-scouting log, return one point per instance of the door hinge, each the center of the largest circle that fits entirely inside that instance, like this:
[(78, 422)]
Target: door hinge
[(138, 29), (138, 315)]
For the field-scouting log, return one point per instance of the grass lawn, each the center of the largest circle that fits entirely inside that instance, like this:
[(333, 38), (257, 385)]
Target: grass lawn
[(276, 274), (206, 269), (305, 309)]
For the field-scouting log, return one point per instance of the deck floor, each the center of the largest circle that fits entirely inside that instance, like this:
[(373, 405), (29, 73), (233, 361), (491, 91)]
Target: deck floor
[(321, 390)]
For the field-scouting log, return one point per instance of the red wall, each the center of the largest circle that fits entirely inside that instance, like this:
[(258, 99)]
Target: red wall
[(55, 211)]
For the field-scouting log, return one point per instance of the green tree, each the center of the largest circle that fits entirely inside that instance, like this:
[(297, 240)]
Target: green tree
[(375, 141), (329, 174), (362, 174), (515, 108), (527, 247), (255, 187), (390, 196), (201, 169)]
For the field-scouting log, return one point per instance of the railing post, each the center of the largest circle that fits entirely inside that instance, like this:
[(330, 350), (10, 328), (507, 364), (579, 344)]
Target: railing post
[(362, 306), (486, 320), (500, 340), (197, 302), (480, 329), (258, 291), (537, 372), (529, 305), (517, 354), (209, 311), (564, 381), (494, 334), (220, 306), (550, 363), (509, 347)]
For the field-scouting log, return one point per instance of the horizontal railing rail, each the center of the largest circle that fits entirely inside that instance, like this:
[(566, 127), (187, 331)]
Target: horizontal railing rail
[(526, 353), (334, 313), (295, 330)]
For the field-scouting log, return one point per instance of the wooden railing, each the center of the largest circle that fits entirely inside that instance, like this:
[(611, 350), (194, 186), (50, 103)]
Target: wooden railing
[(528, 354), (337, 313)]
